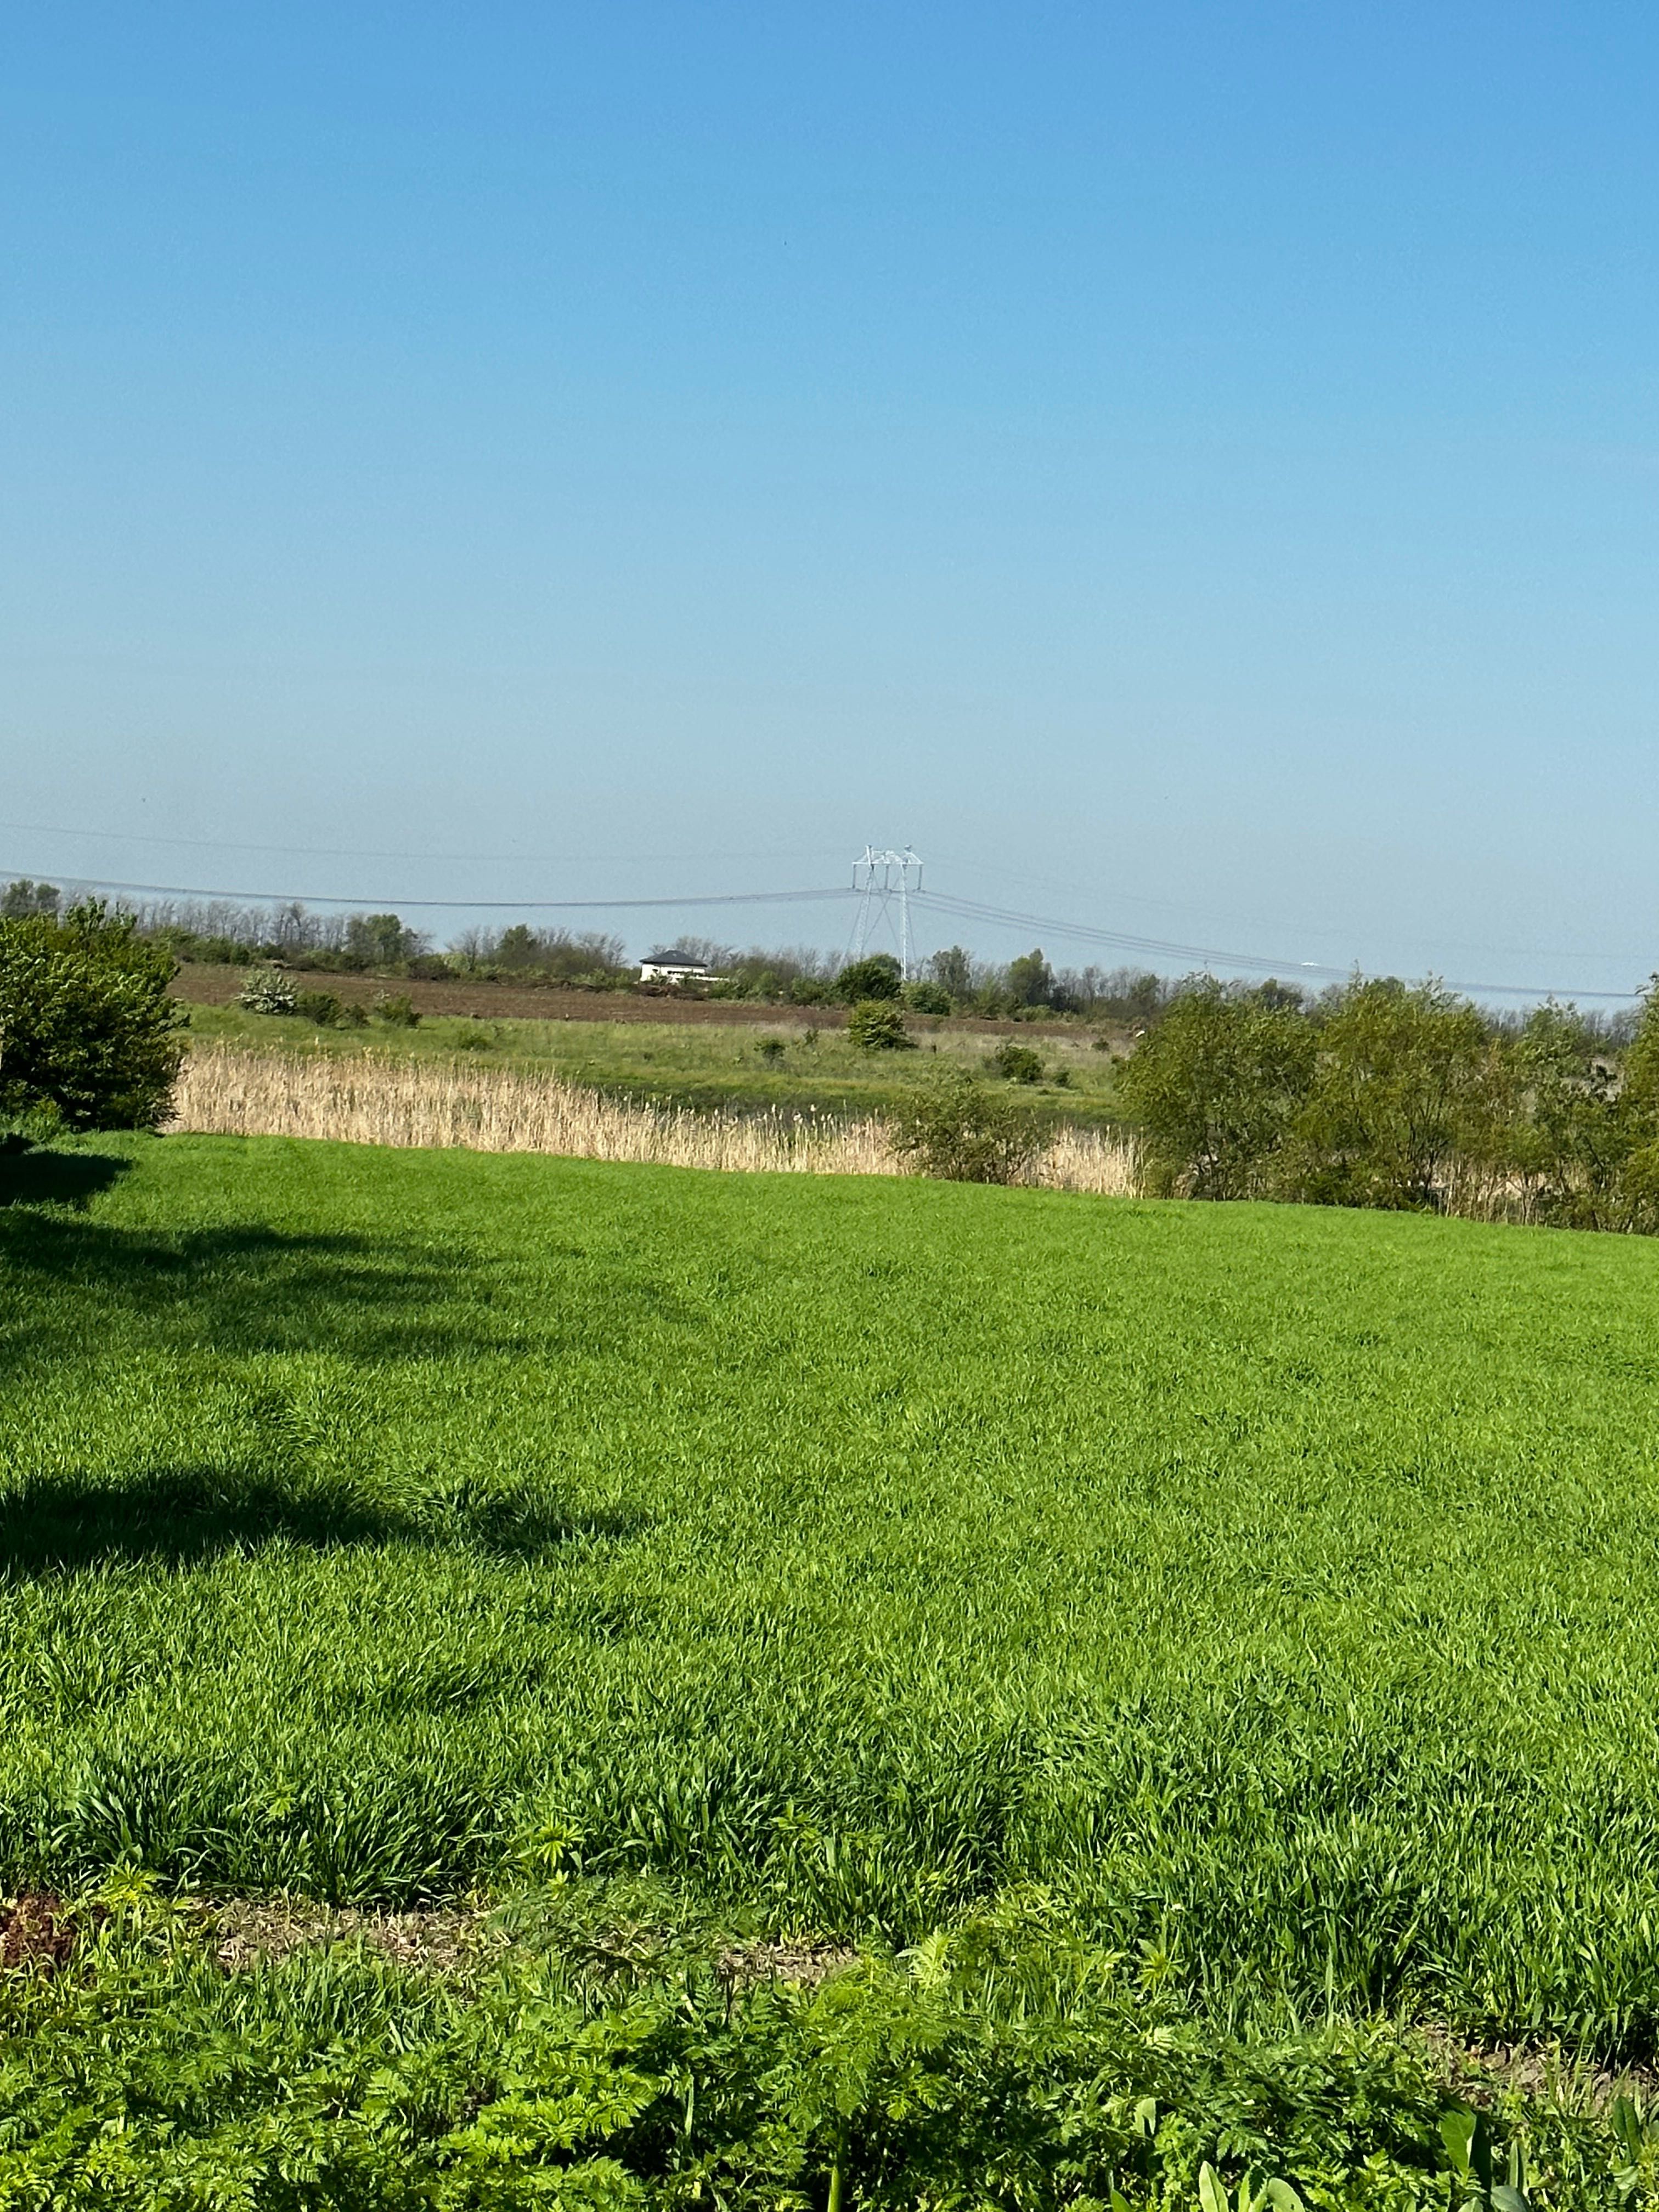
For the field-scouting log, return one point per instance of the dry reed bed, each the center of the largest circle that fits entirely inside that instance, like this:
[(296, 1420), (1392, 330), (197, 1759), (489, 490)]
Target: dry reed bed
[(373, 1098)]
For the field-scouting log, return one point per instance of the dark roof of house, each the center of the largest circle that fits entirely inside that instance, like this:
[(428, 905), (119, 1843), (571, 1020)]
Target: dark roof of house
[(671, 960)]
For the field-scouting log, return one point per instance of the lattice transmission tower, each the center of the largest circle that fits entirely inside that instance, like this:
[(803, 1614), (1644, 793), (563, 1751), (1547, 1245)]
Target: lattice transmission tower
[(885, 881)]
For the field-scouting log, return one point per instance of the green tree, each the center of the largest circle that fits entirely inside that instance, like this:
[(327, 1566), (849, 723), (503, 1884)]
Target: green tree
[(878, 976), (518, 947), (1409, 1086), (1637, 1106), (924, 996), (22, 898), (1213, 1090), (88, 1036), (952, 969), (1018, 1063), (957, 1129), (379, 940), (1031, 980), (877, 1025)]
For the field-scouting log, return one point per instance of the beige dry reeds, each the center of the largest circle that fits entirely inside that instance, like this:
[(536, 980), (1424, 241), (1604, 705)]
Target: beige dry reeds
[(1091, 1160), (378, 1099)]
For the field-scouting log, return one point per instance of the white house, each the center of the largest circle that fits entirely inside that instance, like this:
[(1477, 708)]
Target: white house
[(675, 968)]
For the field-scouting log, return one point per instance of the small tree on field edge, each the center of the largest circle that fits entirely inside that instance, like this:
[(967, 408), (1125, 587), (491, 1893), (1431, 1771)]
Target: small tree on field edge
[(877, 977), (874, 1025), (88, 1037), (959, 1131)]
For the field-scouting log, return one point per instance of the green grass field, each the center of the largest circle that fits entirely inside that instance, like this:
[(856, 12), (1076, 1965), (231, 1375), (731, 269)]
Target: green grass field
[(1274, 1588), (708, 1065)]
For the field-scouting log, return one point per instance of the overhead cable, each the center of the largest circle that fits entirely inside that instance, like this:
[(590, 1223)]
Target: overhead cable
[(1153, 948)]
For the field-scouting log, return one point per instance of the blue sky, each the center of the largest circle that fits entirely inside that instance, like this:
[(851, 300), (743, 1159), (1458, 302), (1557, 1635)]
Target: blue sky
[(1189, 470)]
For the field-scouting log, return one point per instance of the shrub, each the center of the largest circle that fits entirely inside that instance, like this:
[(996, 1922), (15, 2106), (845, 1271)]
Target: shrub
[(1214, 1090), (1406, 1082), (322, 1008), (874, 1025), (1017, 1063), (771, 1050), (268, 991), (877, 977), (88, 1036), (397, 1009), (956, 1129), (475, 1040), (926, 997)]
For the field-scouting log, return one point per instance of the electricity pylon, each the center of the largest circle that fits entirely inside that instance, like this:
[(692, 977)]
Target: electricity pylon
[(883, 881)]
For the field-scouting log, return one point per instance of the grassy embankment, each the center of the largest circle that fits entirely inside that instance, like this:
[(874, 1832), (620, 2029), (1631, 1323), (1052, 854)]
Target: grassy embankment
[(1259, 1596)]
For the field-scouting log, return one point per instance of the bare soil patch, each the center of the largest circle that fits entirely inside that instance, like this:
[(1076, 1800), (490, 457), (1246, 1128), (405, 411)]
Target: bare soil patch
[(1482, 2074), (38, 1930), (444, 1940)]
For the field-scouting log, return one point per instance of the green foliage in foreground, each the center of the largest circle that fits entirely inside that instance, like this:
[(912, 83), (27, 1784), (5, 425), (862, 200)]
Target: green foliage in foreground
[(1273, 1585), (88, 1036), (1000, 2065)]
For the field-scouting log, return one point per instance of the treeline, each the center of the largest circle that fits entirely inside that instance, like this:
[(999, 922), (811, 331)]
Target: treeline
[(1380, 1094), (953, 981)]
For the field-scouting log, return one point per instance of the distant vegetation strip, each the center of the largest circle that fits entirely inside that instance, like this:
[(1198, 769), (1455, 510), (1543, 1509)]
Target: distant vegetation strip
[(374, 1098)]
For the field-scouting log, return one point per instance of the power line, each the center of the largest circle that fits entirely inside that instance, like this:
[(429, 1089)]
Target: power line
[(355, 853), (1154, 947), (471, 906), (942, 903)]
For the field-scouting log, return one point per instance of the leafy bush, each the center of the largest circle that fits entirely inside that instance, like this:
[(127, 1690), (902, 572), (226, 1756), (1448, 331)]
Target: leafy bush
[(1017, 1063), (874, 1025), (926, 997), (328, 1011), (956, 1129), (1214, 1090), (88, 1036), (1385, 1095), (269, 991), (475, 1039), (1405, 1083), (771, 1050), (877, 977), (397, 1009), (1004, 2063)]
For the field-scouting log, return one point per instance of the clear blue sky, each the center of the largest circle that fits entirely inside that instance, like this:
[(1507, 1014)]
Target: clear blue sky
[(1189, 468)]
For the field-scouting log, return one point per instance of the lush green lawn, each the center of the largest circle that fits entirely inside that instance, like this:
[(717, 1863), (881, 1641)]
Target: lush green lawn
[(707, 1064), (1274, 1587)]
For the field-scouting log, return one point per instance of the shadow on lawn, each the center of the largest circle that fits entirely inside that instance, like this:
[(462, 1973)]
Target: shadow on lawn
[(33, 1177), (243, 1288), (189, 1515)]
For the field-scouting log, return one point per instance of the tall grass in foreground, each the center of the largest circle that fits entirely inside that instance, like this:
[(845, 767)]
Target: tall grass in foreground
[(377, 1099)]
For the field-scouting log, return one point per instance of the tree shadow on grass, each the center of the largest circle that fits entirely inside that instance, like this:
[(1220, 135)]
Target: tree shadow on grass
[(29, 1177), (188, 1517), (242, 1288)]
